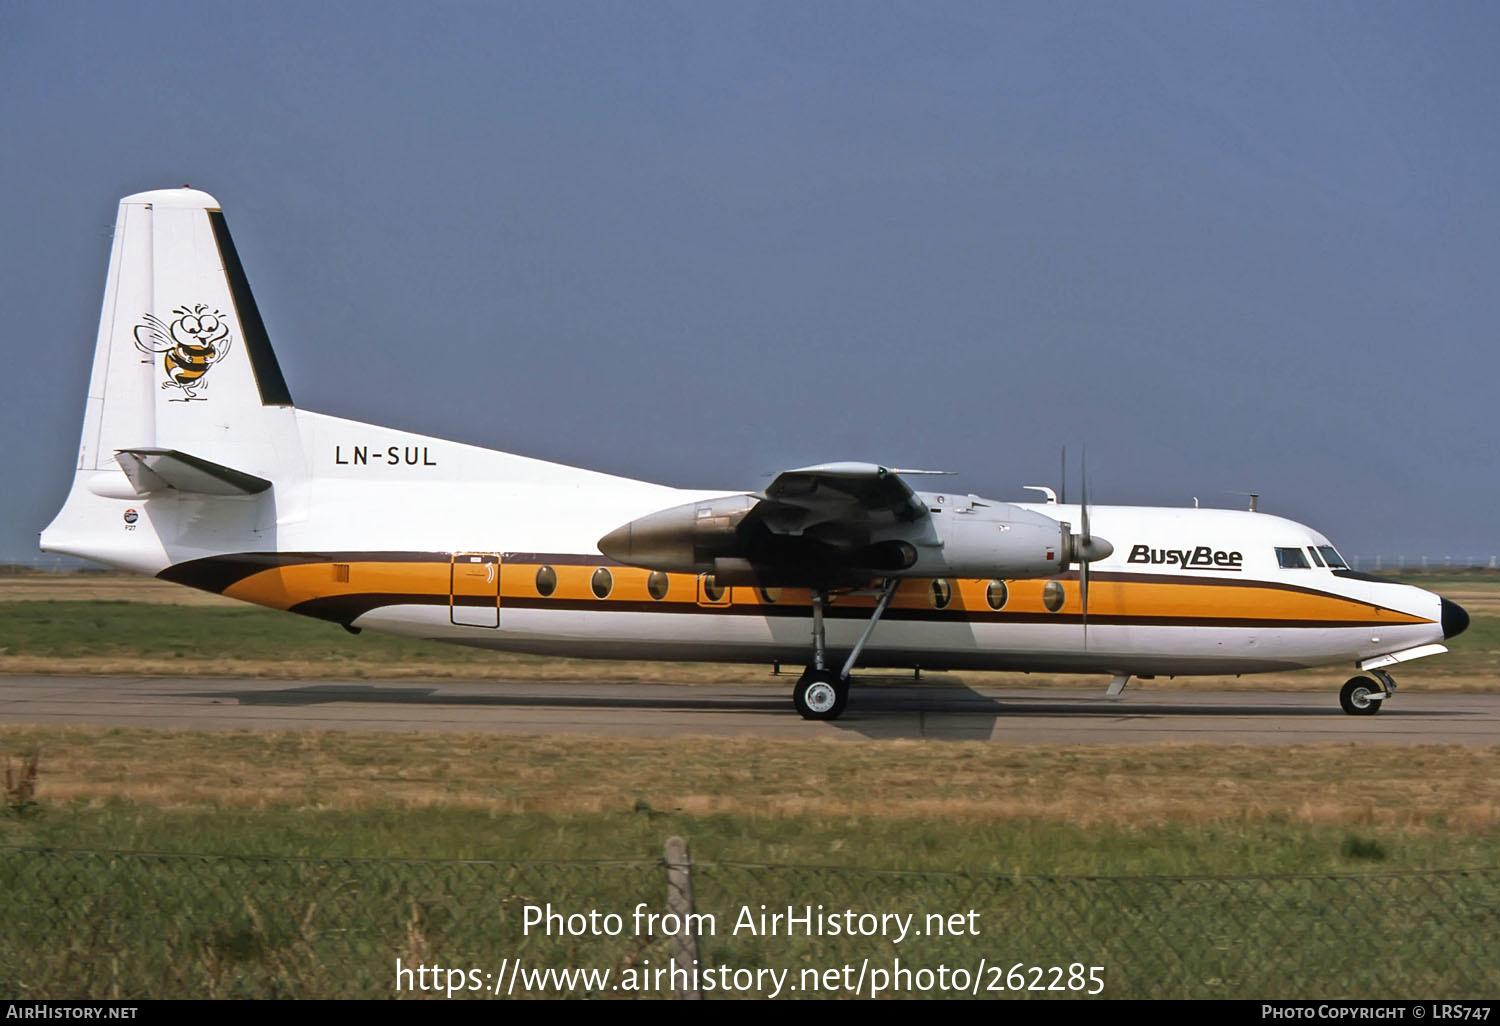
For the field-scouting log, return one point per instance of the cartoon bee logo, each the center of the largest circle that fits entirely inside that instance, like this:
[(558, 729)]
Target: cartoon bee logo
[(191, 344)]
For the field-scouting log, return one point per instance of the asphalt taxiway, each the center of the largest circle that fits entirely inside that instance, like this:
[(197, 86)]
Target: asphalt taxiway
[(933, 711)]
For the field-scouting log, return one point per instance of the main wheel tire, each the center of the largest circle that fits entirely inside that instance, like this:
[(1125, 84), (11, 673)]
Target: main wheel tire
[(820, 695), (1355, 696)]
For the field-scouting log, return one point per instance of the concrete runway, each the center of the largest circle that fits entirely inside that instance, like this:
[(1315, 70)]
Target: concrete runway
[(934, 711)]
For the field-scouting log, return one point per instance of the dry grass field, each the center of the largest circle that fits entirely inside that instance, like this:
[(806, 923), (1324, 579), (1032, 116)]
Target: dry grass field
[(1343, 784)]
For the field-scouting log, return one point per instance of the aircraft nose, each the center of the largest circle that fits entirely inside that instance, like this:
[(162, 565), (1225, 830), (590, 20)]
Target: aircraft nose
[(1455, 619)]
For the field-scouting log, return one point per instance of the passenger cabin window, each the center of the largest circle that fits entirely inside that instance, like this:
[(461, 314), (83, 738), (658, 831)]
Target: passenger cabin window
[(940, 594), (1292, 559), (603, 583), (1332, 558), (546, 581), (657, 585), (997, 594), (713, 591)]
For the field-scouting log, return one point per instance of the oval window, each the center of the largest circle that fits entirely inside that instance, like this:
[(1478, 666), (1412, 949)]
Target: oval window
[(713, 591), (770, 595), (657, 584), (546, 581), (1052, 596), (603, 582), (941, 593), (997, 594)]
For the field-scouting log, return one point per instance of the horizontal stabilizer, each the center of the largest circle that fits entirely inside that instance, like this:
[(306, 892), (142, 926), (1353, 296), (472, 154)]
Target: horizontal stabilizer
[(155, 470)]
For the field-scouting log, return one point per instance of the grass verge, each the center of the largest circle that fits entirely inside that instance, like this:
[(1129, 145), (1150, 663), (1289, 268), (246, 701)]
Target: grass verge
[(1184, 871), (496, 796)]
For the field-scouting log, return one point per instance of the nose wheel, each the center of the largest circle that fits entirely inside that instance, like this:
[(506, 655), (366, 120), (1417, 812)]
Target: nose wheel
[(1362, 696)]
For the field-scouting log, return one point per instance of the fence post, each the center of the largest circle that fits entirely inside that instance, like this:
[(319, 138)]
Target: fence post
[(680, 904)]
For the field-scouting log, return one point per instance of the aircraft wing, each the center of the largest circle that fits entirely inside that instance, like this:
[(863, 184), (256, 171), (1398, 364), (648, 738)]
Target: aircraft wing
[(831, 522), (853, 494)]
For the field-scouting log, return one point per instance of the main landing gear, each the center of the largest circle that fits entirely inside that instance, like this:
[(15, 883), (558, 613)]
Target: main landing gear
[(821, 693), (1362, 696)]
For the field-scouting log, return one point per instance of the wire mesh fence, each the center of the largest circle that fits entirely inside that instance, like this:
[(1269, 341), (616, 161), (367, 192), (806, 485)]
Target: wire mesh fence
[(113, 924), (1354, 936), (132, 925), (1400, 562)]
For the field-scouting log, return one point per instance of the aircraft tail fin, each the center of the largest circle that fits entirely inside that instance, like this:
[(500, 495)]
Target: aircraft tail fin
[(182, 359), (186, 397)]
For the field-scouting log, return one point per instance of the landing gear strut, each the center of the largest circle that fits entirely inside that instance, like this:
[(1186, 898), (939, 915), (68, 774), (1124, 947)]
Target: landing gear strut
[(1362, 696), (822, 693)]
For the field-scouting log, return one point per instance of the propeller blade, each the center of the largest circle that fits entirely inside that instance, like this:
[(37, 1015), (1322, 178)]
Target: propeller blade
[(1083, 548), (1084, 482), (1087, 546), (1083, 590)]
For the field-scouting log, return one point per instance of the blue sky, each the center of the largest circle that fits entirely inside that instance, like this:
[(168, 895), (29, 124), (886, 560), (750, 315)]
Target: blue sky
[(1230, 247)]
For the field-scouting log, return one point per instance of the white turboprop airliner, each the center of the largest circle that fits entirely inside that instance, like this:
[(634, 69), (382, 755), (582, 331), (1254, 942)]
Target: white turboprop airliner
[(195, 466)]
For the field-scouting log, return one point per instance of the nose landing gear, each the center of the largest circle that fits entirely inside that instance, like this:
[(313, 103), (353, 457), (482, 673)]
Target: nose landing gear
[(1362, 696)]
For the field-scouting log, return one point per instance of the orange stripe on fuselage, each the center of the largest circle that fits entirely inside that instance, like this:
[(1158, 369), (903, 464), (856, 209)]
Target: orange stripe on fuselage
[(286, 586), (1117, 596)]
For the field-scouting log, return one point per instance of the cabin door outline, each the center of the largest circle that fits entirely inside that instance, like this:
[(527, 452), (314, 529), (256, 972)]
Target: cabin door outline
[(474, 589)]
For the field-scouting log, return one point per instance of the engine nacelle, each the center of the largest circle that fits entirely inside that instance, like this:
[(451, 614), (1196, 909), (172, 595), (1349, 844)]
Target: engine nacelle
[(704, 537), (995, 541), (982, 540), (683, 539)]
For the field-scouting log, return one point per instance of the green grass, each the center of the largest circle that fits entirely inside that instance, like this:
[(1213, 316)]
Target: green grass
[(315, 923), (155, 638), (1475, 654), (156, 631), (1016, 846)]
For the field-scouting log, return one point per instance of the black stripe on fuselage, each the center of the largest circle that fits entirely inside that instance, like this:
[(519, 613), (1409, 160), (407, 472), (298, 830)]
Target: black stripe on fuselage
[(561, 559), (1099, 576), (216, 573), (345, 609)]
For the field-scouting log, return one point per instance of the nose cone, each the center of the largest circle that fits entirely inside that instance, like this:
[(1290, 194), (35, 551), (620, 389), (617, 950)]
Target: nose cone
[(1455, 619)]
